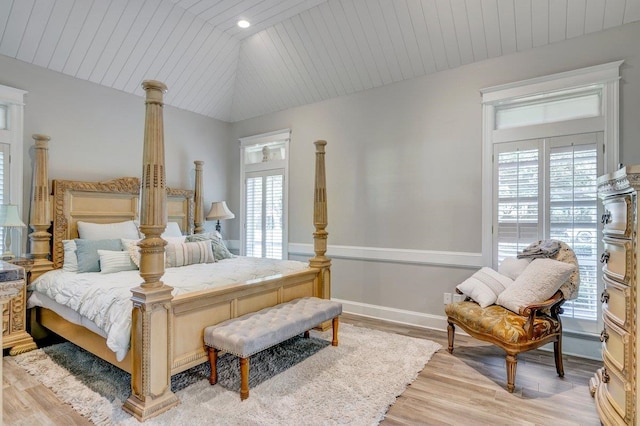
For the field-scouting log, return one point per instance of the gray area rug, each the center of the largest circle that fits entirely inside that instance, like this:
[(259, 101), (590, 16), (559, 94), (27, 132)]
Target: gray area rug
[(301, 381)]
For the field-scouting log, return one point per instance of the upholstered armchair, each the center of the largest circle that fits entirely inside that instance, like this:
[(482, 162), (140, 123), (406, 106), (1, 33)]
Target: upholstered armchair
[(525, 325)]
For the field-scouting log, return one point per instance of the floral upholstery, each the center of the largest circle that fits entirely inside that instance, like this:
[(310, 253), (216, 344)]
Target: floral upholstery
[(500, 322)]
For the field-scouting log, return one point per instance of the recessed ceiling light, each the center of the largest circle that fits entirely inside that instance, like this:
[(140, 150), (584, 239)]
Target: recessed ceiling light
[(243, 23)]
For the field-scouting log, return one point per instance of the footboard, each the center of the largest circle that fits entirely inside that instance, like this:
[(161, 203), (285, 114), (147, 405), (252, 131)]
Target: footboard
[(192, 312)]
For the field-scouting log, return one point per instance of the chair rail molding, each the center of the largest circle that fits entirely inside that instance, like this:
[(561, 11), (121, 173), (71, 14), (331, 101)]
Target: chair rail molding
[(394, 255)]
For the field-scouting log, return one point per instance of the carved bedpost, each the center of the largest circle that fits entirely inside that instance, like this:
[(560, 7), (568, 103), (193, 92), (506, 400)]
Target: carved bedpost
[(198, 220), (40, 220), (320, 221), (150, 328)]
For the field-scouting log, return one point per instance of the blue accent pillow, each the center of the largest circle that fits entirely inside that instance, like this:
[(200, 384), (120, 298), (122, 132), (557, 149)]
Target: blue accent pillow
[(87, 253)]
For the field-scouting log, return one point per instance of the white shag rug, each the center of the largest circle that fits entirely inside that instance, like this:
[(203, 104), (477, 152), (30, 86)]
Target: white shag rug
[(353, 383)]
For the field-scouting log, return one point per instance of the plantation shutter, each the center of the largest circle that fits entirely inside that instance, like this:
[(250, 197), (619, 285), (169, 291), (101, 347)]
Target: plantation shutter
[(546, 188), (573, 212), (264, 214), (518, 178), (253, 234), (273, 225)]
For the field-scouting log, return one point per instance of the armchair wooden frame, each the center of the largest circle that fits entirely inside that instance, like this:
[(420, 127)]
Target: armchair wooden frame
[(551, 307)]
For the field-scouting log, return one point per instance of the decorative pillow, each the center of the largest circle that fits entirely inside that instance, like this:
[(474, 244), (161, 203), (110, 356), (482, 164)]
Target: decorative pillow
[(104, 231), (512, 267), (188, 254), (70, 262), (484, 286), (115, 261), (539, 281), (131, 247), (220, 251), (87, 252)]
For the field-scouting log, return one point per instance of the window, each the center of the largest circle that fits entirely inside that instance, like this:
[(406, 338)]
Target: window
[(546, 188), (264, 195), (545, 142), (11, 176)]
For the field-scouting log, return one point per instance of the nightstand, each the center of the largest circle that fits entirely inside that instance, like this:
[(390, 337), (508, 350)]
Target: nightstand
[(13, 278)]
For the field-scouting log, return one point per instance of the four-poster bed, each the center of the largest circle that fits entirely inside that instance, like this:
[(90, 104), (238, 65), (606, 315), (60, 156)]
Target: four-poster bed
[(166, 329)]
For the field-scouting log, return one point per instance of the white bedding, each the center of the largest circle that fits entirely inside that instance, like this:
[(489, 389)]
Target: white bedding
[(105, 299)]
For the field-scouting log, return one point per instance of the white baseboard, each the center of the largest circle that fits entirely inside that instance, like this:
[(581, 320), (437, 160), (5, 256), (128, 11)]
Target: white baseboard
[(401, 316)]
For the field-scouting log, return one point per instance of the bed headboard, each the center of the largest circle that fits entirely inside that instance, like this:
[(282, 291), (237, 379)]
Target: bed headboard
[(111, 201)]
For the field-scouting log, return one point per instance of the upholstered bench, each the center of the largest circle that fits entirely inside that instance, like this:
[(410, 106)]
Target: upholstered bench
[(257, 331)]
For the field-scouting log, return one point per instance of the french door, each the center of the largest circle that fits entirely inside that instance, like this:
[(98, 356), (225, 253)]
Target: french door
[(546, 188)]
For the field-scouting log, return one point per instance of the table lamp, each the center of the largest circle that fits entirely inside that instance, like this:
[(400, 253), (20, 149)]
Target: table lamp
[(219, 211), (9, 218)]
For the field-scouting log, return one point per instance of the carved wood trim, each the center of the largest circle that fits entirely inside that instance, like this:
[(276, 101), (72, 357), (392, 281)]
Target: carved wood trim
[(188, 196)]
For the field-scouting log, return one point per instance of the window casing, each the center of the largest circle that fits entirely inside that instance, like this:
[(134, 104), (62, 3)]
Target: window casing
[(265, 168), (539, 170)]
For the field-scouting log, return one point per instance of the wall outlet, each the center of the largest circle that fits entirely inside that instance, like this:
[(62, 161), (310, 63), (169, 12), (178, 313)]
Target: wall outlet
[(447, 298), (458, 297)]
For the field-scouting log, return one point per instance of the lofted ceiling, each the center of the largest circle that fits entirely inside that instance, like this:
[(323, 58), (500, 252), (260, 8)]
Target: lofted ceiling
[(296, 51)]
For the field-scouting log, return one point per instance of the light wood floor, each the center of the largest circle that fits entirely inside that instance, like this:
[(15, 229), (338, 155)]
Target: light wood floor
[(463, 388)]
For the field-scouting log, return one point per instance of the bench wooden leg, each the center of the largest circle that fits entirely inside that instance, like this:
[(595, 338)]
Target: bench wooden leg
[(213, 363), (334, 342), (244, 378), (306, 334)]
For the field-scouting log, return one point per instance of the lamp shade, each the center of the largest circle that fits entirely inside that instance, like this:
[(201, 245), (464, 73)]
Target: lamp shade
[(219, 211), (9, 216)]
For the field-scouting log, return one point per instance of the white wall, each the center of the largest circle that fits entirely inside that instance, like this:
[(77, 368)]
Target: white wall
[(97, 132), (404, 172)]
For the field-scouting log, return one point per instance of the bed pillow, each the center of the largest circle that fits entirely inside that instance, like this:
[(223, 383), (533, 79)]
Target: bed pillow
[(484, 286), (172, 230), (70, 261), (115, 261), (537, 283), (512, 267), (104, 231), (131, 247), (175, 240), (220, 251), (188, 254), (87, 252)]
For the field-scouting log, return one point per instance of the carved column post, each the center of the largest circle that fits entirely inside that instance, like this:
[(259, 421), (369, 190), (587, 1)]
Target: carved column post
[(150, 328), (40, 220), (320, 221), (198, 201)]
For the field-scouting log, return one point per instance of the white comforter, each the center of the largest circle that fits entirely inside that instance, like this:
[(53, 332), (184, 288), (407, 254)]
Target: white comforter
[(105, 299)]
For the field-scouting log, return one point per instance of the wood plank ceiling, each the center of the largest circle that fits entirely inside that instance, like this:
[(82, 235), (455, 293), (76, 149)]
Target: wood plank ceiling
[(296, 51)]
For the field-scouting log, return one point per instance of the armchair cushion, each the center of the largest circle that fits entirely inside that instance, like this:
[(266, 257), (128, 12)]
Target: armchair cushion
[(539, 281), (502, 324)]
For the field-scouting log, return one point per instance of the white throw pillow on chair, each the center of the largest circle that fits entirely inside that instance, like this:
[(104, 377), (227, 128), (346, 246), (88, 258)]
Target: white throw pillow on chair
[(539, 281), (484, 286)]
